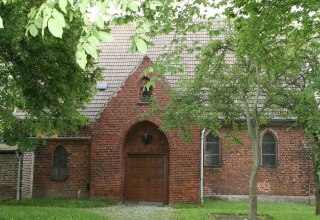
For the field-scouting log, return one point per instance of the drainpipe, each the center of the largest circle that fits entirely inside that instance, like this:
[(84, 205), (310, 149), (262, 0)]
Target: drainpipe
[(19, 174), (201, 164)]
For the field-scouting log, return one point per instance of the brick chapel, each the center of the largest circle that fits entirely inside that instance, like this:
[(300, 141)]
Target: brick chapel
[(120, 157)]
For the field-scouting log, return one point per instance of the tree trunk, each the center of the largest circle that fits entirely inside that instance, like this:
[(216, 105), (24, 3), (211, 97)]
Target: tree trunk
[(317, 186), (253, 126), (253, 131), (253, 177)]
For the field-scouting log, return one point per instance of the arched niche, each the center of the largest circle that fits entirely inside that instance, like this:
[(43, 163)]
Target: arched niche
[(146, 137)]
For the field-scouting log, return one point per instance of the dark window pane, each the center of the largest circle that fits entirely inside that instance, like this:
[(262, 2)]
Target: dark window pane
[(56, 160), (145, 95), (64, 163), (269, 160), (60, 162), (55, 172), (268, 148), (212, 160), (212, 151), (211, 138), (212, 148), (268, 137)]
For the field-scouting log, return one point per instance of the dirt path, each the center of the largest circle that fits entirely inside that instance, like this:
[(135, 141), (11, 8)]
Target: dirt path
[(138, 212)]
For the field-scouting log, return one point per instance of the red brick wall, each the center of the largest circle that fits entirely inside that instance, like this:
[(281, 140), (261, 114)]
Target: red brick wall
[(289, 178), (184, 167), (108, 139), (78, 170), (8, 176)]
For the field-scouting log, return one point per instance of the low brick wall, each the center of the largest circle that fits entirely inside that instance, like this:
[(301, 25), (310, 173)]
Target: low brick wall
[(8, 176)]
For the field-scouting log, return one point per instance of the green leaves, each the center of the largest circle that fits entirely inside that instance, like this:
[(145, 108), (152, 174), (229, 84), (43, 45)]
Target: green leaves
[(89, 46), (53, 15), (57, 15), (148, 18), (105, 37), (91, 50), (46, 16), (81, 59), (55, 27), (153, 5), (59, 18), (56, 23), (33, 30), (140, 40), (133, 6), (100, 22), (71, 2), (141, 45), (47, 83), (126, 4), (93, 40), (63, 4), (1, 22)]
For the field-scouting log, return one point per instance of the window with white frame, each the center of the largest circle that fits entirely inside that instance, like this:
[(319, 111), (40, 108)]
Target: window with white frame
[(212, 155)]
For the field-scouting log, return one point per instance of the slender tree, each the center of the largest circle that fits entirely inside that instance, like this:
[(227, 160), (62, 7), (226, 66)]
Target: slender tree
[(243, 86), (261, 24), (308, 112)]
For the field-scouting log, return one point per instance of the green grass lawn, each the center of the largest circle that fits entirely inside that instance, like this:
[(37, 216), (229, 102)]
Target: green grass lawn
[(279, 211), (45, 213), (51, 209), (60, 202), (48, 209)]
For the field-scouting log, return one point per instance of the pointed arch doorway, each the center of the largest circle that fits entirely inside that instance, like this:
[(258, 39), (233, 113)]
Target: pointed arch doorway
[(146, 164)]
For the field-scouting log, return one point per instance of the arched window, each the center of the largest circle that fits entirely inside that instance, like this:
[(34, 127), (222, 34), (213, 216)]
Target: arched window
[(269, 150), (145, 93), (212, 155), (60, 164)]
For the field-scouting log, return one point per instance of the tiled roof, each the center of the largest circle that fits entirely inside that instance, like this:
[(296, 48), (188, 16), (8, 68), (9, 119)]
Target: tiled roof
[(118, 63)]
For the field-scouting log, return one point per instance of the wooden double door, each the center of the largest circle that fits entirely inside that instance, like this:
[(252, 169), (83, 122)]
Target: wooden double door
[(146, 178)]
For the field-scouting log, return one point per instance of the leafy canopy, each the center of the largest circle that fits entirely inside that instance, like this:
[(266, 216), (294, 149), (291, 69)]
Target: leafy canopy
[(41, 78), (149, 18)]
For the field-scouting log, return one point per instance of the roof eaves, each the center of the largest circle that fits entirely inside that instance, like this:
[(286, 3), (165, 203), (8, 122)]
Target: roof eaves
[(7, 149)]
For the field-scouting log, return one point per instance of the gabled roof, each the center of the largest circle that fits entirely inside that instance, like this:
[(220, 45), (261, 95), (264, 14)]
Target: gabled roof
[(119, 63)]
